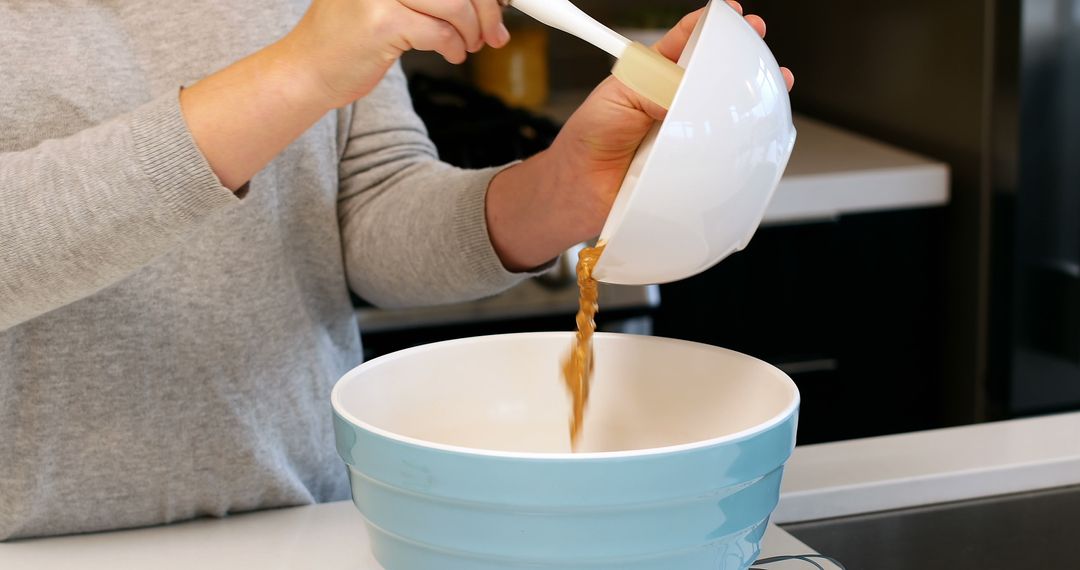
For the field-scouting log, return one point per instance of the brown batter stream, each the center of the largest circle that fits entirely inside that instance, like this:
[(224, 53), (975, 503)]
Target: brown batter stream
[(578, 367)]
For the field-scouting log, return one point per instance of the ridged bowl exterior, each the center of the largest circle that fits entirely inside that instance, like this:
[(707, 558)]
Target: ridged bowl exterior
[(704, 508)]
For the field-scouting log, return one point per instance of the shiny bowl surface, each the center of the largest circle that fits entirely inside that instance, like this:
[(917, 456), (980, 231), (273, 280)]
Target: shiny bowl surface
[(458, 454), (700, 183)]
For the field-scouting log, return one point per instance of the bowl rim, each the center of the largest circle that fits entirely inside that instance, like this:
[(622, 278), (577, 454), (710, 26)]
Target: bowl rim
[(790, 409)]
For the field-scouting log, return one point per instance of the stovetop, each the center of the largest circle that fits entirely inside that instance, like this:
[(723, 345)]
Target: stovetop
[(474, 130), (1029, 530)]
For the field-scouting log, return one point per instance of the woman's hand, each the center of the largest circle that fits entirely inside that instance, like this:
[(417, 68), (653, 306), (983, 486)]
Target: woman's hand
[(583, 169), (244, 115), (600, 139), (351, 44)]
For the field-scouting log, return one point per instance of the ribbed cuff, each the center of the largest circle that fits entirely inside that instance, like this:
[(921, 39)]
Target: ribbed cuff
[(471, 232), (173, 162)]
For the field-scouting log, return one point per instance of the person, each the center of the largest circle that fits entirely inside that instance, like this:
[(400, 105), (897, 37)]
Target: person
[(175, 263)]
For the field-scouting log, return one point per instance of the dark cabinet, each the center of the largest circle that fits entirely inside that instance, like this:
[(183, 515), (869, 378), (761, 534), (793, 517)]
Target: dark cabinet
[(851, 310)]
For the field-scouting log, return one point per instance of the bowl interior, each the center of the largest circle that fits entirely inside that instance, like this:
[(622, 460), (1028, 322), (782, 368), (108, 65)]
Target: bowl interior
[(505, 394)]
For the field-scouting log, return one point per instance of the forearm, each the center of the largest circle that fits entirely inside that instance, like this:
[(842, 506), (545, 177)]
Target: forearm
[(419, 238), (244, 115), (537, 210)]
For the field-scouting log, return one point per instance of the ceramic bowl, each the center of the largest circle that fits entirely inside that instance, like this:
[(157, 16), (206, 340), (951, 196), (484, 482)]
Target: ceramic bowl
[(700, 183), (459, 459)]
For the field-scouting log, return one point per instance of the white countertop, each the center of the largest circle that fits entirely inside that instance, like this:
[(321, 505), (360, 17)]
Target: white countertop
[(320, 537), (883, 473), (821, 481), (834, 172)]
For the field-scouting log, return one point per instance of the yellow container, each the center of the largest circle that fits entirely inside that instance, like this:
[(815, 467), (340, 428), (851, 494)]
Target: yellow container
[(517, 73)]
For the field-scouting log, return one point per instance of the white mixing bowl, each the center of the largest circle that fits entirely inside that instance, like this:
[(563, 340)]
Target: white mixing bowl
[(700, 183)]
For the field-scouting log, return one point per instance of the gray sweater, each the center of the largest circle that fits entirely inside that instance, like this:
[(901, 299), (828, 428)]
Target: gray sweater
[(167, 349)]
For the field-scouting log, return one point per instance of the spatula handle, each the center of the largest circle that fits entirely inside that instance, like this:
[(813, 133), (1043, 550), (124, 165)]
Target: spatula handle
[(565, 16)]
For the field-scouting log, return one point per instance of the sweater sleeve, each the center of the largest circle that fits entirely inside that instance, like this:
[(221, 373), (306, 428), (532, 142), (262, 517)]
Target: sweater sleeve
[(79, 214), (414, 229)]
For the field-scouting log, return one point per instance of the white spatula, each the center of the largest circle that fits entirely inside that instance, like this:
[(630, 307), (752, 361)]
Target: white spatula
[(644, 70)]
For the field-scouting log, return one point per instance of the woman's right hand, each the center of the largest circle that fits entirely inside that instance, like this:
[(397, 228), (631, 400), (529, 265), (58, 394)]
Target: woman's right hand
[(244, 115), (349, 45)]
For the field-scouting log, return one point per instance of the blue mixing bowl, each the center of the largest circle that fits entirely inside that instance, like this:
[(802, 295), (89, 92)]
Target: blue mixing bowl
[(459, 459)]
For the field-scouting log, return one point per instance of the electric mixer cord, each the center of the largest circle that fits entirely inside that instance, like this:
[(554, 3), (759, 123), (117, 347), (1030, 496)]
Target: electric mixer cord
[(808, 558)]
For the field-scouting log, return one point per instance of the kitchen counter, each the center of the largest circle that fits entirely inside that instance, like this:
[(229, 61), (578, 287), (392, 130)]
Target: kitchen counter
[(996, 496), (834, 172), (320, 537), (869, 475), (822, 481)]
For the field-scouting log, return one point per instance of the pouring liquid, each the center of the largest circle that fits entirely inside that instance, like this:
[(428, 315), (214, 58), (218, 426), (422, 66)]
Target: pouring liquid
[(578, 366)]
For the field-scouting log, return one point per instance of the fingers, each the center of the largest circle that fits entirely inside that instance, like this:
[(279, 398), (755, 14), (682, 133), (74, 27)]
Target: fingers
[(454, 28), (672, 44), (491, 22), (757, 23), (458, 13), (426, 33), (759, 26), (789, 77), (675, 40)]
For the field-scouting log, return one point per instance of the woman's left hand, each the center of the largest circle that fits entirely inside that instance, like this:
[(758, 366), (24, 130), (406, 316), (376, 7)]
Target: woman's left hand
[(583, 169)]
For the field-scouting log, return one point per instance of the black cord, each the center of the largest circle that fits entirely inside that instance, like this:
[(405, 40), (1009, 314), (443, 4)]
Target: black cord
[(785, 558), (808, 558)]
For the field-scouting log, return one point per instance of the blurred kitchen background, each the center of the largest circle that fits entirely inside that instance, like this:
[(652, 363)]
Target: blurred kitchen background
[(923, 252)]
